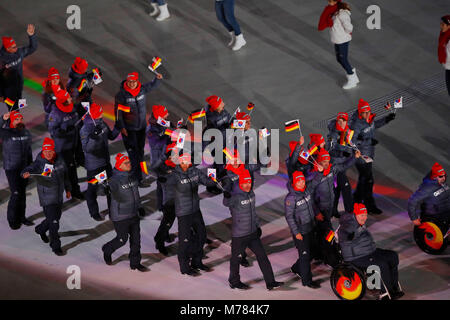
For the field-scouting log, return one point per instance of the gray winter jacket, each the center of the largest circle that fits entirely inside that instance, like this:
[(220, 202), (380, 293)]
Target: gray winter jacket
[(50, 188), (365, 134), (355, 240), (300, 211), (323, 186), (14, 61), (243, 212), (339, 153), (168, 191), (431, 199), (135, 119), (61, 126), (95, 147), (125, 199), (16, 146), (185, 185)]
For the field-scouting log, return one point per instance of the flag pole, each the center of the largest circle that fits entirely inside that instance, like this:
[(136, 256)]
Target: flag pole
[(299, 129)]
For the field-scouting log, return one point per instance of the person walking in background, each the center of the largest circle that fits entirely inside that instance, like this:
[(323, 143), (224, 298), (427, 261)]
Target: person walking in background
[(444, 48), (225, 14), (336, 16), (160, 10)]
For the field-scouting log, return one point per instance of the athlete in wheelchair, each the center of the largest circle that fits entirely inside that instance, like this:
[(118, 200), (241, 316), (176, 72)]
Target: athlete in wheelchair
[(429, 210), (358, 252)]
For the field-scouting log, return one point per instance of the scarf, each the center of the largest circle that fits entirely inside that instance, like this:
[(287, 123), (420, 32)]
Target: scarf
[(134, 92), (326, 18), (444, 37)]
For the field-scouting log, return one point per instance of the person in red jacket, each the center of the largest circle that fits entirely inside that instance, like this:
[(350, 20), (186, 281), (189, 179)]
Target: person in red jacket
[(444, 48)]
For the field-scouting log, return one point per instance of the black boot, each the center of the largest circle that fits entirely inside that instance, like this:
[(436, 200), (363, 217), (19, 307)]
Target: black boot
[(27, 222), (244, 262), (191, 272), (107, 257), (313, 285), (140, 268), (58, 252), (274, 285), (201, 266), (240, 285), (97, 217), (162, 249)]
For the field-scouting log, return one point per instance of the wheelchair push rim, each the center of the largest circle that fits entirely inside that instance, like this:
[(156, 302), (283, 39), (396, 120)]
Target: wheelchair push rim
[(347, 283), (430, 236)]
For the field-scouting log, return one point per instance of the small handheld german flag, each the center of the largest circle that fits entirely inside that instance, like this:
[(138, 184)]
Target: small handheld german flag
[(144, 167), (156, 63), (250, 106), (93, 181), (197, 114), (9, 102), (169, 132), (123, 108), (82, 84), (190, 119), (330, 236), (346, 137), (292, 125)]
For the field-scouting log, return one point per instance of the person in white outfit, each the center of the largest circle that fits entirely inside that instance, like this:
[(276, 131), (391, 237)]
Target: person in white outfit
[(341, 29), (225, 14), (160, 10), (444, 48)]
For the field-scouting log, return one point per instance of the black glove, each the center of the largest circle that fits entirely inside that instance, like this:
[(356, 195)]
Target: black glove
[(227, 195), (98, 130), (346, 154), (259, 232), (162, 179), (141, 212), (374, 142), (390, 117)]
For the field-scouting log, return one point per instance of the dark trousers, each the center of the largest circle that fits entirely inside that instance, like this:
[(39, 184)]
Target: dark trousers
[(159, 2), (17, 199), (69, 159), (51, 223), (225, 14), (191, 238), (303, 264), (124, 229), (364, 189), (387, 261), (135, 143), (12, 82), (343, 186), (342, 56), (166, 223), (159, 196), (91, 192), (447, 80), (253, 242)]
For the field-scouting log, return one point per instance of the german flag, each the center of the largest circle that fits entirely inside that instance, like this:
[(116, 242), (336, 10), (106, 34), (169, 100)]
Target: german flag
[(292, 125), (198, 114), (156, 62), (9, 102), (190, 119), (346, 137), (93, 181), (144, 167), (228, 153), (123, 108), (81, 86), (250, 106), (330, 236), (168, 132), (313, 149)]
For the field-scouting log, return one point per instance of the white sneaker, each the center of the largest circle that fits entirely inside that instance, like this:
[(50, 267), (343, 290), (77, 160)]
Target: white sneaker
[(164, 13), (155, 10), (352, 80), (239, 43), (233, 39)]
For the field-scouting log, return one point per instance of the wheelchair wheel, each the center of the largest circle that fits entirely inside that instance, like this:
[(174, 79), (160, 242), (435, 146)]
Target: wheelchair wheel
[(429, 236), (347, 282)]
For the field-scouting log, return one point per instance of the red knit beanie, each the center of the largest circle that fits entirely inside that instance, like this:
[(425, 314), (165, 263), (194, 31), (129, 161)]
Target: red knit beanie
[(133, 76), (95, 111), (8, 42), (159, 111), (323, 155), (120, 158), (343, 116), (80, 65), (61, 97), (359, 208), (53, 74), (363, 106), (436, 171), (298, 176), (316, 138), (214, 102), (13, 116), (48, 144)]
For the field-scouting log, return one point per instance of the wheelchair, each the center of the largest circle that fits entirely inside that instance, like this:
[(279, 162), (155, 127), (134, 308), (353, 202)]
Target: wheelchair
[(431, 236), (347, 281)]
